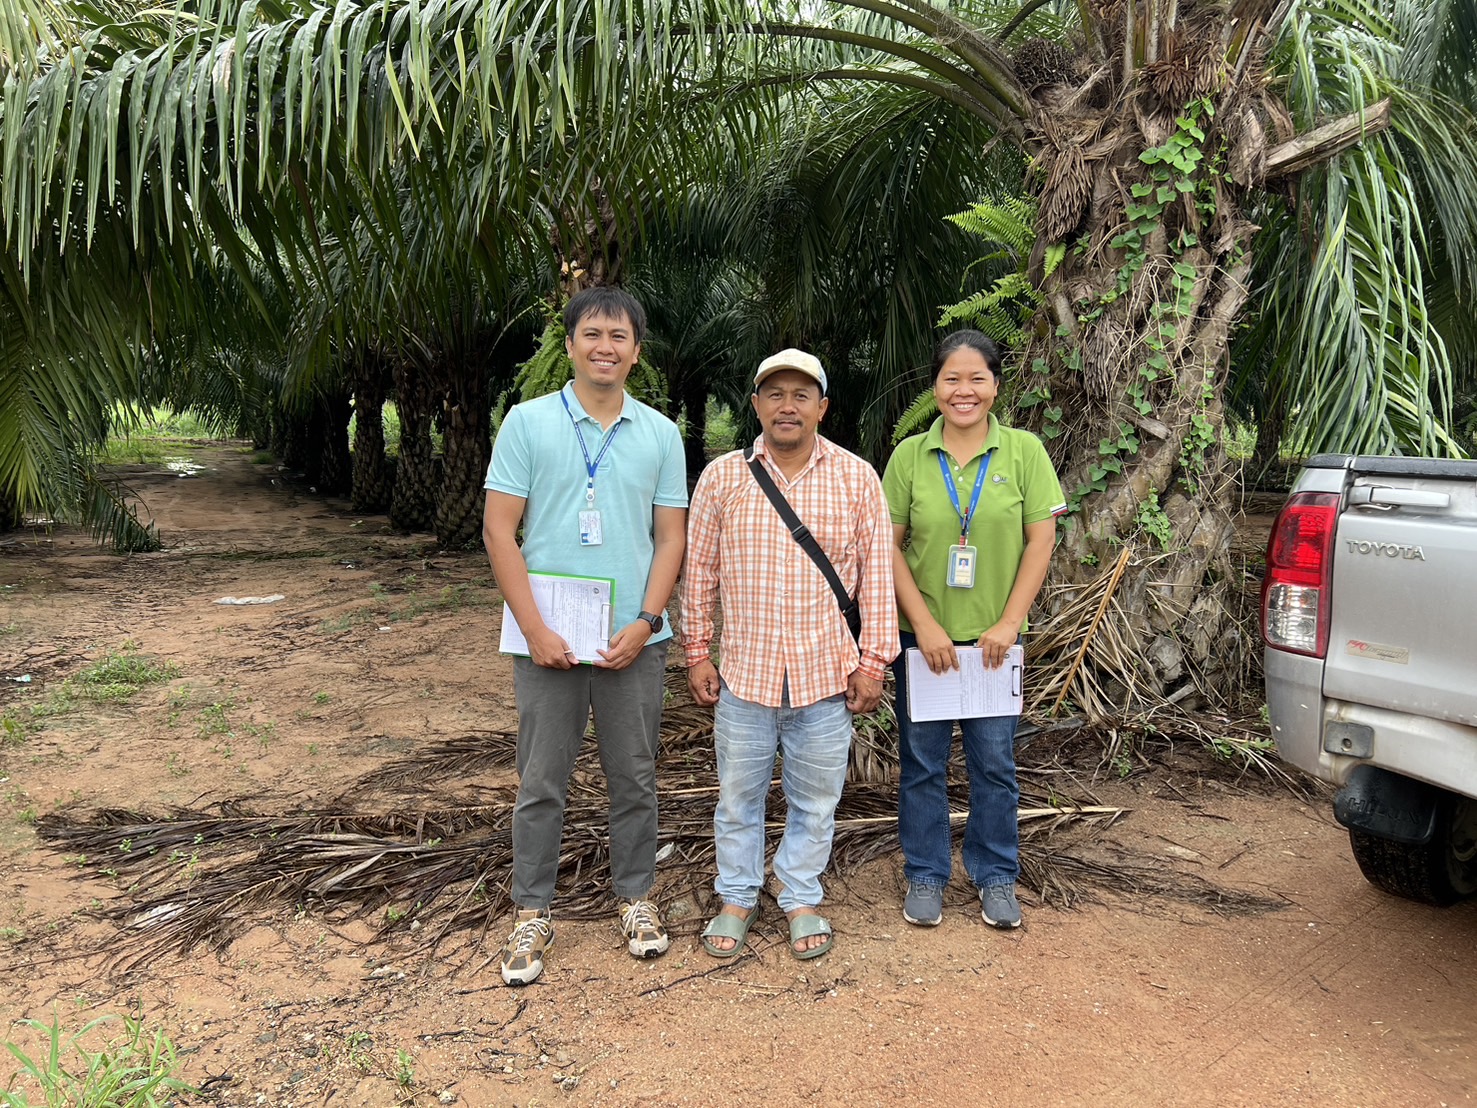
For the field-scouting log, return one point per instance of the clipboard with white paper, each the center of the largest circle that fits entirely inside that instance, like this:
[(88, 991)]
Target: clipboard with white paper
[(578, 609), (969, 692)]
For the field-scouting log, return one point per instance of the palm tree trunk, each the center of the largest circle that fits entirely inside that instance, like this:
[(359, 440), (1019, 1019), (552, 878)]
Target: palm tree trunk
[(694, 443), (466, 448), (1127, 368), (300, 439), (374, 478), (335, 464), (1168, 504), (1267, 466), (276, 428), (413, 507), (10, 512)]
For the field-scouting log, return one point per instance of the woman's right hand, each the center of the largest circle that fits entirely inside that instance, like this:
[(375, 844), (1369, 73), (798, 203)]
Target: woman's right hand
[(937, 648)]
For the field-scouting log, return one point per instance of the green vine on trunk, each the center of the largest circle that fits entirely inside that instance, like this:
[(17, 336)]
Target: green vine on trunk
[(1198, 441), (1051, 414), (1180, 167), (1152, 519)]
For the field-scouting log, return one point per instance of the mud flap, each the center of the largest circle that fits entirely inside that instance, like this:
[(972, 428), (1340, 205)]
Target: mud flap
[(1387, 805)]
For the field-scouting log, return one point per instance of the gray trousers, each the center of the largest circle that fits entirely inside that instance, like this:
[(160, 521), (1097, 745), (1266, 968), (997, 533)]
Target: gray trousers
[(553, 711)]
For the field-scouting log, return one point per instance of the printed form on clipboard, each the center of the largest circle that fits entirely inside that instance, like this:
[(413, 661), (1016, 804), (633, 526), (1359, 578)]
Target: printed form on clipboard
[(968, 692), (579, 609)]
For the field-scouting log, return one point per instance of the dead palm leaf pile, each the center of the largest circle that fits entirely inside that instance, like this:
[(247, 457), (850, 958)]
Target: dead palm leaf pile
[(425, 842)]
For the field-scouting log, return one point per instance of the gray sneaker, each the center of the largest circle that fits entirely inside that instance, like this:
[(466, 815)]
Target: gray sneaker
[(523, 953), (924, 905), (999, 907)]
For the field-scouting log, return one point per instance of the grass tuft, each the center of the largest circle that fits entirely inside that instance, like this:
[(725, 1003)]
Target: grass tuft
[(114, 678), (134, 1070), (117, 676)]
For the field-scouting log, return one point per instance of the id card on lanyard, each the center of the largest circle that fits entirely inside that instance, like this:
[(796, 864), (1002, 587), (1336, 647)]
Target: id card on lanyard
[(589, 516), (963, 557)]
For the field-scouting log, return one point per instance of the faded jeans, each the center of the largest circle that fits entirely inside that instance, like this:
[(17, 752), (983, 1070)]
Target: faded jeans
[(992, 831), (815, 741)]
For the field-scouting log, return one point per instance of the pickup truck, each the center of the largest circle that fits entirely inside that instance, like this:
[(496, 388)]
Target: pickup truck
[(1369, 619)]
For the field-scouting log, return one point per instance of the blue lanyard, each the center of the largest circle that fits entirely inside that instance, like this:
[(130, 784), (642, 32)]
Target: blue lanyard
[(591, 467), (965, 518)]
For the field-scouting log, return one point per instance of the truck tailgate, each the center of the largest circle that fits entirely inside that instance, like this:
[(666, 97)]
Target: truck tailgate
[(1403, 631)]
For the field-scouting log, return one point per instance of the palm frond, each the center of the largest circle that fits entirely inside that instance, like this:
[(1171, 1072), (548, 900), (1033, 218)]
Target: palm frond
[(1344, 341)]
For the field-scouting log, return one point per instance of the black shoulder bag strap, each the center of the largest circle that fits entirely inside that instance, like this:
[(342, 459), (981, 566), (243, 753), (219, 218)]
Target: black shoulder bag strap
[(801, 534)]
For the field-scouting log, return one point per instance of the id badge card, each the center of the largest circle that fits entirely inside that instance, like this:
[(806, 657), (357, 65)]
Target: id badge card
[(590, 527), (961, 567)]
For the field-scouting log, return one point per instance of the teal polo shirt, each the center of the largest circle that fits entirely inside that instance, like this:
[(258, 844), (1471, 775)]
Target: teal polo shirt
[(536, 456), (1020, 488)]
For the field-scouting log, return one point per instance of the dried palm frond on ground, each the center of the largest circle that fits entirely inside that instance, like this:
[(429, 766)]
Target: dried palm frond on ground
[(1088, 651), (1142, 879), (461, 756), (202, 877), (205, 876)]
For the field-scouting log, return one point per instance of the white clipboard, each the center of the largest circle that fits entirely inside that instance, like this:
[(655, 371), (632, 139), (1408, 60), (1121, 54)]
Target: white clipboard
[(969, 692), (578, 609)]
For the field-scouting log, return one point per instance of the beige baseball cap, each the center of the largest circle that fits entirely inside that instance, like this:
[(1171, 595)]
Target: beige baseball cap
[(797, 360)]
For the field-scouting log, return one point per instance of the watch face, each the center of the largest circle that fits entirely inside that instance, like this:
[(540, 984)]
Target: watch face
[(654, 621)]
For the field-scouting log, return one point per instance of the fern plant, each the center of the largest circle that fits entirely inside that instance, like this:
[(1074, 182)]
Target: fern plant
[(549, 368), (1002, 310)]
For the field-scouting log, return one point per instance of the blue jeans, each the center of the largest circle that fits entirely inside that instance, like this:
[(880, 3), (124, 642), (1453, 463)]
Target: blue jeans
[(815, 741), (992, 832)]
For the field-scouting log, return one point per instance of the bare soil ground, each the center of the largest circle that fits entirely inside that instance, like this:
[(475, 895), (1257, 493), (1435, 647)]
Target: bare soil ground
[(1262, 970)]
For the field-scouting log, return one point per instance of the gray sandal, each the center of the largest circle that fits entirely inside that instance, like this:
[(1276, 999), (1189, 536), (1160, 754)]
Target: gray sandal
[(726, 925), (803, 927)]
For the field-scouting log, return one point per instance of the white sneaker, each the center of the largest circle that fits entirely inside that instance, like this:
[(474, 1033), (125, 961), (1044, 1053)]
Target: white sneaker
[(646, 935)]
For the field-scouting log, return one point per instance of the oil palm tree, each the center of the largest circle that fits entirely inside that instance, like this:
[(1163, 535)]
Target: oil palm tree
[(278, 142), (1156, 135), (1195, 167)]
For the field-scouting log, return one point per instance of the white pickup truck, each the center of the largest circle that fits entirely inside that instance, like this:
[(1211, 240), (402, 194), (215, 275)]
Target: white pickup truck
[(1369, 616)]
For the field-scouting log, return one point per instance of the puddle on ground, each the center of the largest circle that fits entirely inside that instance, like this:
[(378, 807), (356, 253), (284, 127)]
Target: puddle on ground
[(183, 467)]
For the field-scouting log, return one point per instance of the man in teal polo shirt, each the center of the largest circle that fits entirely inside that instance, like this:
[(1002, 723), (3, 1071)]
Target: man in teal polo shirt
[(599, 483)]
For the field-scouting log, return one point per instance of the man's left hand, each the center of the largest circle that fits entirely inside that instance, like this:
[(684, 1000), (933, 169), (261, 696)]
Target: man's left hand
[(625, 646), (863, 693)]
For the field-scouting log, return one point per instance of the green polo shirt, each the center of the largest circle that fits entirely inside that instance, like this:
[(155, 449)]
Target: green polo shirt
[(1020, 488)]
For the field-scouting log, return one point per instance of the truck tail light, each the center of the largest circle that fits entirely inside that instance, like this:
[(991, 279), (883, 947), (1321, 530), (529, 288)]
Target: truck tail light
[(1295, 593)]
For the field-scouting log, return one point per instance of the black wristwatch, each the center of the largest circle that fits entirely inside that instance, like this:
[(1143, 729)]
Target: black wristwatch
[(653, 618)]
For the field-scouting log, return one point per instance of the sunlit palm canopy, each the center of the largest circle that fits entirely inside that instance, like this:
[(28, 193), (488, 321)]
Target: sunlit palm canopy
[(167, 144)]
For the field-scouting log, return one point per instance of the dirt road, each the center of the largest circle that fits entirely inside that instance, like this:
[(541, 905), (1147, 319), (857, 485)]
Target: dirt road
[(1263, 970)]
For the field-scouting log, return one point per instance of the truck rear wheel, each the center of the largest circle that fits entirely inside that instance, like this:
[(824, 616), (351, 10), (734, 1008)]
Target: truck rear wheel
[(1442, 871)]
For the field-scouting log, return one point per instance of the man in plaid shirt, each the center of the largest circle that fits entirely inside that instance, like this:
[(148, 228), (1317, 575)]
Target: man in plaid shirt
[(792, 674)]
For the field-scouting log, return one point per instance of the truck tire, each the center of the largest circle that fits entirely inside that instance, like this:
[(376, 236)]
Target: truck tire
[(1441, 872)]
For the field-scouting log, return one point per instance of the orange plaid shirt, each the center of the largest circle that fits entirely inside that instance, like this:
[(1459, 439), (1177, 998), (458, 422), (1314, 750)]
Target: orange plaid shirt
[(780, 618)]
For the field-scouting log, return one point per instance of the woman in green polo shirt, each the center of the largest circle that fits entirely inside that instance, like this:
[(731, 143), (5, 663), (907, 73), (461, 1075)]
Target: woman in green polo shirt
[(973, 506)]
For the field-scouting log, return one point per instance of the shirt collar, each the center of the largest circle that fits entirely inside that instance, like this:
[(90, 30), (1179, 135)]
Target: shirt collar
[(933, 438), (823, 446), (577, 409)]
